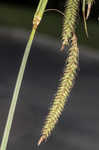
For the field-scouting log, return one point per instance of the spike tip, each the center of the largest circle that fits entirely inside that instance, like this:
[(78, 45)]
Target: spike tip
[(41, 140)]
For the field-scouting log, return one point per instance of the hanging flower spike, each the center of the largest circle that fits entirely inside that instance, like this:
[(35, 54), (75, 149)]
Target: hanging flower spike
[(71, 10), (63, 91), (89, 3)]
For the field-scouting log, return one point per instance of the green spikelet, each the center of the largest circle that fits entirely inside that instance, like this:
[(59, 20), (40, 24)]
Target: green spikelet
[(63, 91), (71, 10)]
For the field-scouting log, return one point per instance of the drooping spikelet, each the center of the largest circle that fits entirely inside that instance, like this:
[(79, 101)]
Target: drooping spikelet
[(70, 13), (86, 15), (63, 91), (89, 3)]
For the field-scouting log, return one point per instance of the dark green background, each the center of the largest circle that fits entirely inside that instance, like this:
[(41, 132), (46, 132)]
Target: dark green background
[(59, 4)]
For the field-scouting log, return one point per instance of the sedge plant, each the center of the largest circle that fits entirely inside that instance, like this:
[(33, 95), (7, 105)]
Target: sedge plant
[(67, 81)]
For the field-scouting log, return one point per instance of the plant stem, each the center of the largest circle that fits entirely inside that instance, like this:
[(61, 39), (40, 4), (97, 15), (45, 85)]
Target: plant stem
[(37, 18), (16, 93)]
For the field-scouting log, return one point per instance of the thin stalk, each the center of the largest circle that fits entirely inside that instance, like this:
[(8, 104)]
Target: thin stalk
[(16, 93), (37, 18)]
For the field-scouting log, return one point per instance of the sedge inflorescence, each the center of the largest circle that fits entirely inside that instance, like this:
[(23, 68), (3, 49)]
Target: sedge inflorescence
[(69, 73), (63, 90), (67, 81), (71, 12)]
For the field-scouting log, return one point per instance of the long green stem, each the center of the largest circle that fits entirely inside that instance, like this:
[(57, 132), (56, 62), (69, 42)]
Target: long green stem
[(16, 93), (37, 18)]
